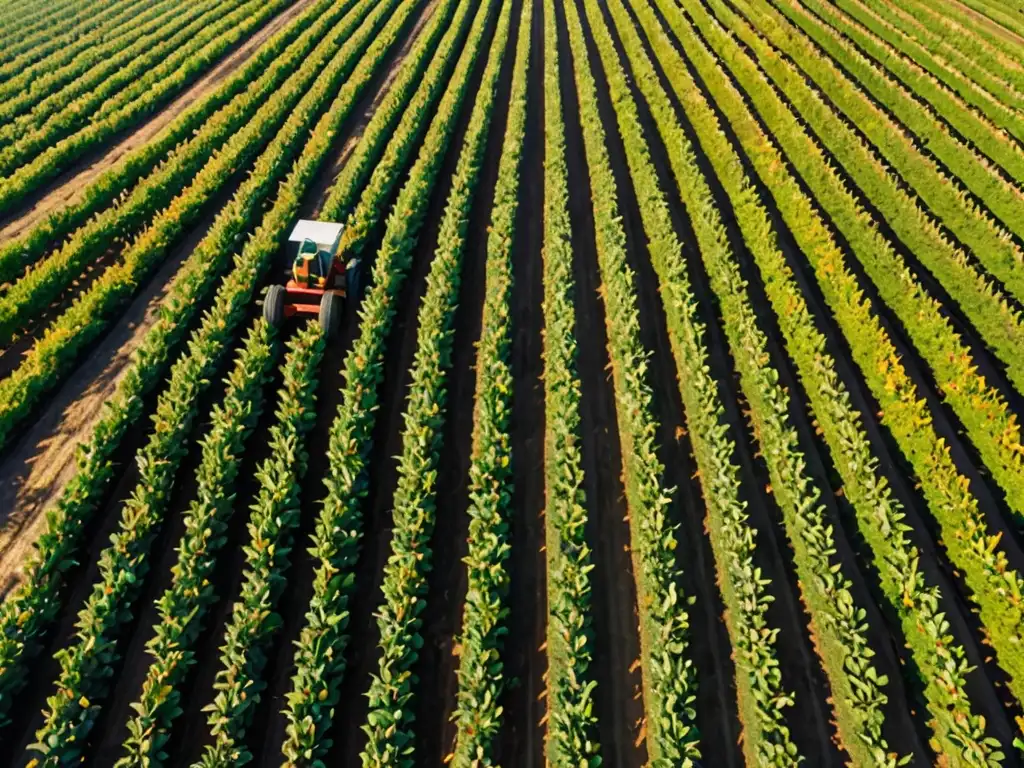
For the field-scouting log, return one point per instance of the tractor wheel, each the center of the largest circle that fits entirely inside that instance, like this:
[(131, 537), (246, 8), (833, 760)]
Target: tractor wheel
[(353, 277), (273, 305), (330, 313)]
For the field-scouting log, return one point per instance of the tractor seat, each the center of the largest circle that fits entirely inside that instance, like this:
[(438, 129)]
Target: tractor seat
[(310, 265)]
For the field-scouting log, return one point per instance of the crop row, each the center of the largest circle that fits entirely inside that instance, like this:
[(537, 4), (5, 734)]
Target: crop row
[(224, 142), (25, 138), (274, 516), (83, 666), (980, 51), (390, 739), (148, 92), (910, 28), (991, 245), (319, 655), (362, 188), (70, 334), (964, 528), (183, 605), (20, 253), (837, 622), (987, 20), (163, 35), (880, 516), (915, 56), (993, 430), (480, 673), (968, 162), (32, 38), (669, 680), (572, 729), (32, 609), (23, 83)]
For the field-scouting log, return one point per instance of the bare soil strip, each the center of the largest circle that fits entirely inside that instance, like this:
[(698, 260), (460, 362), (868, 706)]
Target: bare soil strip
[(521, 739)]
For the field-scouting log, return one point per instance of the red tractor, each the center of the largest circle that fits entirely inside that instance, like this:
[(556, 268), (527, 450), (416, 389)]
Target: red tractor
[(318, 281)]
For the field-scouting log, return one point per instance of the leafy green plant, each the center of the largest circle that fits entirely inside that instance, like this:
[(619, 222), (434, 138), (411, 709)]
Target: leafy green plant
[(481, 671), (44, 154), (904, 413), (274, 516), (30, 612), (319, 656)]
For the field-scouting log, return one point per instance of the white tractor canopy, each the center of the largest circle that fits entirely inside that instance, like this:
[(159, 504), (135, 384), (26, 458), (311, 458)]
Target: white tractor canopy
[(326, 234)]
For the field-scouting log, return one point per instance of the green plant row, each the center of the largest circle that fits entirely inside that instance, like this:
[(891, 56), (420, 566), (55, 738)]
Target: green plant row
[(481, 671), (275, 515), (572, 727), (20, 253), (158, 198), (990, 244), (848, 42), (185, 602), (392, 691), (995, 586), (31, 37), (994, 16), (837, 622), (98, 68), (992, 428), (320, 649), (152, 90), (939, 658), (25, 18), (978, 50), (669, 679), (939, 42), (982, 94), (24, 139), (360, 192), (18, 77), (52, 355), (976, 162), (85, 665), (29, 613)]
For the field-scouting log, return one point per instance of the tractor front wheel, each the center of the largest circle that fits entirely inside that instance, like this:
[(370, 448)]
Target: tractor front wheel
[(273, 305), (330, 313)]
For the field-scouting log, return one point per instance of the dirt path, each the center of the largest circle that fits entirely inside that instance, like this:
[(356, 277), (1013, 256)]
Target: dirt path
[(520, 741), (70, 186)]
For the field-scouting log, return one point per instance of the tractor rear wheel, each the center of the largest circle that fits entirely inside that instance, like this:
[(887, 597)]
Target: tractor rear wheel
[(330, 313), (273, 305)]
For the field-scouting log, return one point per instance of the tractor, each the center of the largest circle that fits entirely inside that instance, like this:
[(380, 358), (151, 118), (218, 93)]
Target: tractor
[(318, 282)]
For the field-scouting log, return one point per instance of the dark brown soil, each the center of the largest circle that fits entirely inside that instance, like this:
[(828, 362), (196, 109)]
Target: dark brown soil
[(521, 740)]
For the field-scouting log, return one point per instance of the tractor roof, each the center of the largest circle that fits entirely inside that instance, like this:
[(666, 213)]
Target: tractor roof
[(325, 234)]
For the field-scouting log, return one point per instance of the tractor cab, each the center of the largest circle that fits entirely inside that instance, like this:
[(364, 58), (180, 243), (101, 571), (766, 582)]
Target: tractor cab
[(316, 281)]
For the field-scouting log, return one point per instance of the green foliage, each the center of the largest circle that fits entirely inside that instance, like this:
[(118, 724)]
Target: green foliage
[(319, 655), (175, 194), (913, 51), (481, 671), (390, 739), (992, 428), (43, 154), (183, 605), (274, 516), (29, 613), (958, 731), (837, 621), (89, 315), (668, 675), (286, 45), (87, 92), (572, 728)]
